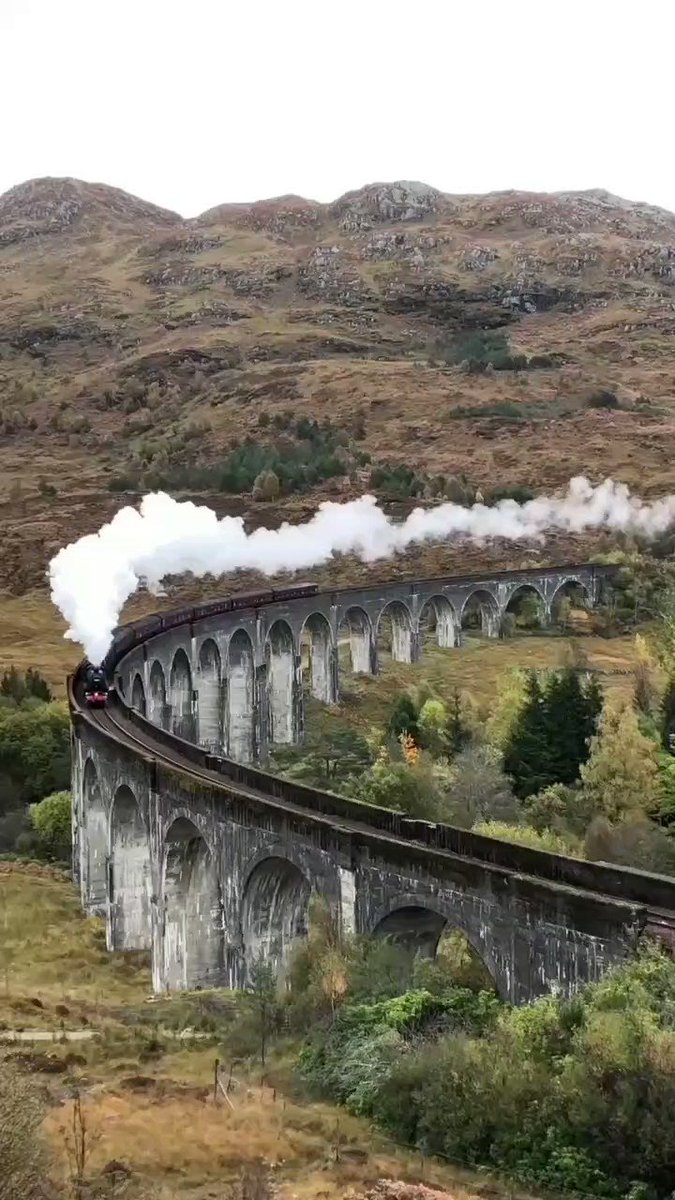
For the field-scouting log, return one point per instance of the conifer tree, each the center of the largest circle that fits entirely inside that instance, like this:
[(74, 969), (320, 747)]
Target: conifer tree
[(404, 718), (572, 713), (458, 733), (526, 752)]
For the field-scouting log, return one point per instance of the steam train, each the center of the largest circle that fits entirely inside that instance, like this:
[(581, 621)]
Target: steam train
[(95, 686), (126, 636)]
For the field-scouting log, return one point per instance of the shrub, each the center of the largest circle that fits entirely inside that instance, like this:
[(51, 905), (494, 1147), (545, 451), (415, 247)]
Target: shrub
[(396, 480), (517, 491), (51, 819), (603, 399), (573, 1095), (34, 753), (266, 486), (525, 835)]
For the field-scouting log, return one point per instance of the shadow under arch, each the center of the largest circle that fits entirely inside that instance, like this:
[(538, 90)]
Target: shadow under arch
[(280, 676), (274, 912), (94, 841), (525, 608), (193, 913), (480, 612), (393, 633), (316, 658), (240, 715), (439, 619), (572, 595), (356, 642), (180, 686), (210, 708), (420, 927), (158, 710), (129, 883), (138, 695)]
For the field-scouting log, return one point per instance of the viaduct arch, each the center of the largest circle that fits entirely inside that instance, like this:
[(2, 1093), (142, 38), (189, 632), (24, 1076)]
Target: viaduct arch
[(190, 849)]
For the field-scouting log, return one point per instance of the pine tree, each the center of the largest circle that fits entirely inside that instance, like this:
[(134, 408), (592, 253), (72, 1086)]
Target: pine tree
[(527, 751), (457, 732), (404, 718), (594, 701), (571, 714), (621, 777)]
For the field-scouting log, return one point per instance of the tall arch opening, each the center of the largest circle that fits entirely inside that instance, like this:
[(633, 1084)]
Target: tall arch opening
[(240, 697), (180, 682), (525, 611), (480, 614), (209, 696), (355, 643), (129, 879), (274, 913), (193, 914), (138, 695), (422, 932), (95, 841), (439, 624), (158, 709), (570, 607), (316, 645), (280, 663), (394, 634)]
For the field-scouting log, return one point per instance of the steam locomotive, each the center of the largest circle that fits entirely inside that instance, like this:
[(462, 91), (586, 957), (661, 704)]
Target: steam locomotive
[(95, 686)]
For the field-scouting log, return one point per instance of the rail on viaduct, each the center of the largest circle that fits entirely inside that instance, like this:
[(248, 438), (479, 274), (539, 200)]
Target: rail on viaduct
[(191, 850)]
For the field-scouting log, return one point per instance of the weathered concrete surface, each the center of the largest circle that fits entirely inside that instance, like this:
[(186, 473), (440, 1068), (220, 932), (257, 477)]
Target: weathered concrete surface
[(234, 682), (212, 880), (212, 876)]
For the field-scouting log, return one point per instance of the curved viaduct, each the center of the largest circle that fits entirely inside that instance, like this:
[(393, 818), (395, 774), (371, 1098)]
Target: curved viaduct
[(191, 851)]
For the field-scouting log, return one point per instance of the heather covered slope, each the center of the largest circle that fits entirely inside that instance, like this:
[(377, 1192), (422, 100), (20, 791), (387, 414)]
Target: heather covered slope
[(138, 350)]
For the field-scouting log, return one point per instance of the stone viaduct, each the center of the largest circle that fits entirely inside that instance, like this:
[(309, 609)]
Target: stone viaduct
[(191, 850)]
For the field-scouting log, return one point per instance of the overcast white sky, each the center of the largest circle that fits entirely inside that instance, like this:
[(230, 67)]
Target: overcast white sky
[(194, 103)]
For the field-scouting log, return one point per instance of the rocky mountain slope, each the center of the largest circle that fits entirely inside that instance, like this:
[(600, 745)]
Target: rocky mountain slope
[(138, 349)]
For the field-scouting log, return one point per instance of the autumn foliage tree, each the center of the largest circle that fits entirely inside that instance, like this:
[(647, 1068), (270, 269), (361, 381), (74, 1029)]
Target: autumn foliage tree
[(621, 777)]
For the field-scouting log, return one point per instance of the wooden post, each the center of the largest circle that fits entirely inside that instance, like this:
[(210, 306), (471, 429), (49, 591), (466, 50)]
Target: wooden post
[(215, 1081)]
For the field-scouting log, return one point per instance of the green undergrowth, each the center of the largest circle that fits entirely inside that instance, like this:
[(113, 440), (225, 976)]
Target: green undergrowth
[(569, 1095)]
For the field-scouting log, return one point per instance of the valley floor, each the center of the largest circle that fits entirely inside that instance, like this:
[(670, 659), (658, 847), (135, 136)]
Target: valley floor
[(151, 1119)]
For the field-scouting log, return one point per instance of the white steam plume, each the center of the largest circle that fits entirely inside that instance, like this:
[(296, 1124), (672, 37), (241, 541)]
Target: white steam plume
[(92, 578)]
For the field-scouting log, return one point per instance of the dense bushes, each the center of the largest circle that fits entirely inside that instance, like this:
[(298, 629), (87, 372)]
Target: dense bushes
[(481, 349), (34, 763), (34, 754), (308, 453), (574, 1095)]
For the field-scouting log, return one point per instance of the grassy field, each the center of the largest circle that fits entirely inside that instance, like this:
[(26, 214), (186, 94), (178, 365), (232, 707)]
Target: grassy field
[(477, 669), (148, 1102)]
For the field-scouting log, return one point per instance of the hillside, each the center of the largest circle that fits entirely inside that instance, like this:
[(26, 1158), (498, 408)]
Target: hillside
[(137, 349)]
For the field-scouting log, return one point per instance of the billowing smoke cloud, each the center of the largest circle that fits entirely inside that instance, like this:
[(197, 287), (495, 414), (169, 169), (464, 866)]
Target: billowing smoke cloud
[(92, 578)]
